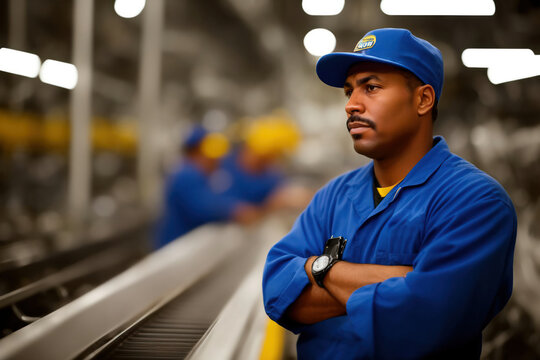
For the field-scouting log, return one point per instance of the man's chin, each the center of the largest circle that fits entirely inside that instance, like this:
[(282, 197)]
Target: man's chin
[(363, 147)]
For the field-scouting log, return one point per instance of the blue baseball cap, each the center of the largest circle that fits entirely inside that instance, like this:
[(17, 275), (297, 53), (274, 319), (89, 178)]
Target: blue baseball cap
[(398, 47), (194, 137)]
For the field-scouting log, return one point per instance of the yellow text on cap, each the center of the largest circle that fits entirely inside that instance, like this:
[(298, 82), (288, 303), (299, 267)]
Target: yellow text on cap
[(367, 42)]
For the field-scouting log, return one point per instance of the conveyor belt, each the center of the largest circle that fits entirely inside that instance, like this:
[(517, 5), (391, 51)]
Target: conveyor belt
[(196, 295), (172, 331)]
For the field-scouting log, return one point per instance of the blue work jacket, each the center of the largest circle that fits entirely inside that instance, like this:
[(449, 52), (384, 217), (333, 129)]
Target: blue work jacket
[(191, 201), (451, 222), (249, 187)]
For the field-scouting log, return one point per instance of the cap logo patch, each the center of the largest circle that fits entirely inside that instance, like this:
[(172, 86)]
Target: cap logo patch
[(367, 42)]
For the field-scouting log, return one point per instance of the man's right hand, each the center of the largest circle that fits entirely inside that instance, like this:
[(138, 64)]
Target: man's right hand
[(246, 214)]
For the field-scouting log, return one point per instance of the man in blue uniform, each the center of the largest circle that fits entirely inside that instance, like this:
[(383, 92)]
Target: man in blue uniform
[(253, 171), (252, 178), (410, 256), (191, 199)]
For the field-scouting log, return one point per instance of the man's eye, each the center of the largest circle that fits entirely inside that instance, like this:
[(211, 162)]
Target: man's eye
[(370, 87), (348, 93)]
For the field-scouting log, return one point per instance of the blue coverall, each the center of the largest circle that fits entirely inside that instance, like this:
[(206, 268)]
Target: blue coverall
[(249, 187), (451, 222), (191, 201)]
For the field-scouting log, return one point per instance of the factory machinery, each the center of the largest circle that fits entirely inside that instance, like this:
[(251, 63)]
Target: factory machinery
[(197, 298)]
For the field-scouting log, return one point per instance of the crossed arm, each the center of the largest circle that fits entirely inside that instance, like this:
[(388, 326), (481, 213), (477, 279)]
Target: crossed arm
[(316, 304)]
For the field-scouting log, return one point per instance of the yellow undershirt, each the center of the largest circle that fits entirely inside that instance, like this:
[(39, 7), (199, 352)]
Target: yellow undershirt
[(383, 191)]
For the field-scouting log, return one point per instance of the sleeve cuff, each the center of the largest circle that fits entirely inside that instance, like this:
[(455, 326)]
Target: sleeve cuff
[(289, 294)]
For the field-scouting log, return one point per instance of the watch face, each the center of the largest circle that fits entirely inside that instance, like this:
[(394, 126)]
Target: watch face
[(321, 263)]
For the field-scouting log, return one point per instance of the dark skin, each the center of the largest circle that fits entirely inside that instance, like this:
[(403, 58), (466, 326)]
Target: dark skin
[(204, 163), (393, 126)]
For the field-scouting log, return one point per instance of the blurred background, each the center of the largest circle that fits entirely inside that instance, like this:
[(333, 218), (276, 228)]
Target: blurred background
[(92, 116)]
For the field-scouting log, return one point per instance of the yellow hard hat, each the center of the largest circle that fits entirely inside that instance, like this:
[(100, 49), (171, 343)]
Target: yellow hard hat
[(214, 145), (272, 135)]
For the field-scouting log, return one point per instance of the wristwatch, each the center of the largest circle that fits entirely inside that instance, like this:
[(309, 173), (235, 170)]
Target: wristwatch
[(333, 252)]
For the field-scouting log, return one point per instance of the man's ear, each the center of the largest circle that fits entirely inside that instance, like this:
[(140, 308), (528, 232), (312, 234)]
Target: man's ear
[(426, 99)]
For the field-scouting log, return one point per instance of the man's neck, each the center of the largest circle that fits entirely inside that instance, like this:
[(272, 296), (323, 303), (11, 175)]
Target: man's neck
[(389, 171), (204, 164)]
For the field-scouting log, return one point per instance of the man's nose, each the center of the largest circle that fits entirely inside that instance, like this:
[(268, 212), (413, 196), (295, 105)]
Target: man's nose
[(355, 104)]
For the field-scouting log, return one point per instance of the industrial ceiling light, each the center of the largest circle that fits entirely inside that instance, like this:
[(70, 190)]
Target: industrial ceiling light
[(129, 8), (439, 7), (503, 65), (484, 58), (59, 73), (521, 68), (319, 42), (19, 62), (322, 7)]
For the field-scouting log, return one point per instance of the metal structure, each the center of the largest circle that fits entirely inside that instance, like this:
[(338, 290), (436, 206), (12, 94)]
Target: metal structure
[(136, 294), (80, 113)]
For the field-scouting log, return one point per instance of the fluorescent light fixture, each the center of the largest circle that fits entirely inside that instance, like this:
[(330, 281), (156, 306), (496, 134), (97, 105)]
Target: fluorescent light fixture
[(319, 42), (322, 7), (129, 8), (485, 58), (439, 7), (59, 73), (19, 62), (518, 69)]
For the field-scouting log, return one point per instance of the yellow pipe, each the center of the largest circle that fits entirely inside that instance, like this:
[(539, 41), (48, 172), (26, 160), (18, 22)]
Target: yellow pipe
[(274, 341)]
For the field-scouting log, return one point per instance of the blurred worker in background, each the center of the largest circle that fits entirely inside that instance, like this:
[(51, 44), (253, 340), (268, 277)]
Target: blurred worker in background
[(410, 256), (190, 198), (253, 171)]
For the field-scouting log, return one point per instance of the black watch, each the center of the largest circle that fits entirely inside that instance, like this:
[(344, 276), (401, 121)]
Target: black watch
[(333, 251)]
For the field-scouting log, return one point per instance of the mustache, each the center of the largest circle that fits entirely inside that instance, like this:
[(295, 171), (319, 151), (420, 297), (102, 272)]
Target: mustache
[(357, 118)]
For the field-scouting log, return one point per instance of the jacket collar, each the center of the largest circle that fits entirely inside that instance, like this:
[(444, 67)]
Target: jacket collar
[(361, 183), (419, 173), (428, 164)]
